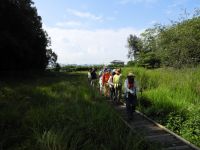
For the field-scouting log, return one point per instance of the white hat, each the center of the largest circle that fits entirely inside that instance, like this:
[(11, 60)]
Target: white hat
[(130, 74)]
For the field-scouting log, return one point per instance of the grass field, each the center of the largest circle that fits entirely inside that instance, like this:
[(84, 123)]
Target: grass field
[(172, 97), (59, 111)]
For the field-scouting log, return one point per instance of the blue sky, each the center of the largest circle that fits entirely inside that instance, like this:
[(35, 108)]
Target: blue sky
[(95, 31)]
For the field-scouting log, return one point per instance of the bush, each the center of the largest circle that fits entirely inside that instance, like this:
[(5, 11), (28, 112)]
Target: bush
[(171, 97)]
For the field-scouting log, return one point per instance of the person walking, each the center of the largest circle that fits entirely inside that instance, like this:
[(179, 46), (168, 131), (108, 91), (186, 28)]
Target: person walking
[(117, 81), (100, 81), (130, 95), (93, 77), (105, 78), (111, 86), (89, 75)]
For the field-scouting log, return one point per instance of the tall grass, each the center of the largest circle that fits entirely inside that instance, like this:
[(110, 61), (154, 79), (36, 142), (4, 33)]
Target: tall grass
[(172, 97), (60, 112)]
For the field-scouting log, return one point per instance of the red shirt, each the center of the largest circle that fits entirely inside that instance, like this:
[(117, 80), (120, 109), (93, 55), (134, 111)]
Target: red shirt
[(105, 77)]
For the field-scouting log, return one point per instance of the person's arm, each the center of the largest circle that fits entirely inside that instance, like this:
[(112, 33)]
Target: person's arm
[(110, 81), (103, 79), (114, 79), (126, 89), (132, 90), (89, 75)]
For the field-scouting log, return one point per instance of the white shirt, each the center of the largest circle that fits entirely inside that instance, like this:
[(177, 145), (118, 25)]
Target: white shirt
[(110, 81), (128, 90), (89, 75)]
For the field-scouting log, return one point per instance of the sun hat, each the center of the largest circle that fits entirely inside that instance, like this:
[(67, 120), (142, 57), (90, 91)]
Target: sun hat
[(117, 71), (130, 74)]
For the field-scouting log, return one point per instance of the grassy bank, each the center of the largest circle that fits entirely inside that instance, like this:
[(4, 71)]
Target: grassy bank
[(59, 111), (172, 97)]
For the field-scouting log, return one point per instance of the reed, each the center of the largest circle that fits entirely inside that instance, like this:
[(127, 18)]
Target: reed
[(172, 97), (60, 111)]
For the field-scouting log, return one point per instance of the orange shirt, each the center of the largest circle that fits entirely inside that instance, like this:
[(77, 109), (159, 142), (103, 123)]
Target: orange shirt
[(105, 78)]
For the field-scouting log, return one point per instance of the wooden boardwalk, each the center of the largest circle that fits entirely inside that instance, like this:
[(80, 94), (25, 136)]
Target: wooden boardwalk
[(155, 132)]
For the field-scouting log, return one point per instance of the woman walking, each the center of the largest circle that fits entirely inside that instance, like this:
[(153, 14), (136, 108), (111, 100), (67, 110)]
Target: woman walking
[(130, 95)]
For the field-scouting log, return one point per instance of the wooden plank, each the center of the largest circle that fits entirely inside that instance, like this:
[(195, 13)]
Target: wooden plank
[(183, 147), (166, 135), (155, 132), (172, 133)]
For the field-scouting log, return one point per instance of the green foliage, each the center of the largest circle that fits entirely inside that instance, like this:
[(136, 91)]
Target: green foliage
[(179, 43), (57, 67), (73, 68), (171, 97), (115, 66), (176, 45), (175, 121), (143, 49), (190, 128), (149, 60), (149, 38), (52, 58), (59, 111), (23, 41), (131, 63), (134, 45)]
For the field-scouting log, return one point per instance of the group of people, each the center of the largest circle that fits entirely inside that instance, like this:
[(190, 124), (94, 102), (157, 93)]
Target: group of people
[(109, 83)]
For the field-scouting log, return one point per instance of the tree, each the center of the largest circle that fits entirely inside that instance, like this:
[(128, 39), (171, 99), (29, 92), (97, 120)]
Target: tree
[(57, 67), (134, 46), (149, 60), (180, 44), (23, 41), (176, 45), (150, 38), (52, 57), (143, 48)]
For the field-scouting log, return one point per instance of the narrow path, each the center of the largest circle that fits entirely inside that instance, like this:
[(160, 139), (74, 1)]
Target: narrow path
[(155, 132)]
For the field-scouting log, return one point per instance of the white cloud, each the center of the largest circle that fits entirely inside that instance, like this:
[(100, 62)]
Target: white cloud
[(86, 15), (81, 46), (69, 24)]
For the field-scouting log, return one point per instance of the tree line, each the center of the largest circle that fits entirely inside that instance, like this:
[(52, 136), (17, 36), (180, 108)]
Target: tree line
[(175, 45), (24, 44)]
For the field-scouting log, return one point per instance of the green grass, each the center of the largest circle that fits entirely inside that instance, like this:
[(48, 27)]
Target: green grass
[(172, 97), (59, 111)]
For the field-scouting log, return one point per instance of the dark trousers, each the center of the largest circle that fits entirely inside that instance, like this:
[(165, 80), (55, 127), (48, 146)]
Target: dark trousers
[(118, 93), (131, 102), (112, 93)]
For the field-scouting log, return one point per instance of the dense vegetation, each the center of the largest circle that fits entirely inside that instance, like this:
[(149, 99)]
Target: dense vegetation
[(172, 97), (59, 111), (176, 45), (170, 94), (24, 44), (72, 68)]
